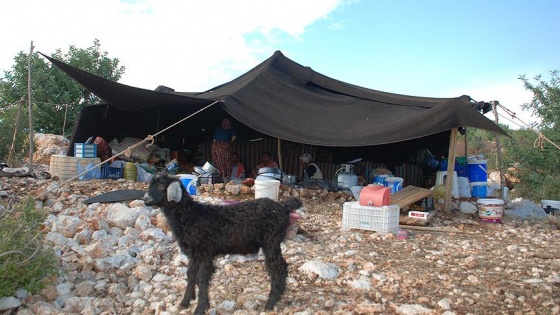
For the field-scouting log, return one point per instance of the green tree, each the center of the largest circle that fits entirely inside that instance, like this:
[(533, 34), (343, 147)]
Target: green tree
[(537, 161), (57, 98)]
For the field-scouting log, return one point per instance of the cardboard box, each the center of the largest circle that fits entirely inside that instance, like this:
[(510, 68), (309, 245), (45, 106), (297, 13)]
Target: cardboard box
[(418, 215)]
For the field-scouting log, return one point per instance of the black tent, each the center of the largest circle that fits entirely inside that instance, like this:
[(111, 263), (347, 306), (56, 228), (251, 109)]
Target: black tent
[(282, 99)]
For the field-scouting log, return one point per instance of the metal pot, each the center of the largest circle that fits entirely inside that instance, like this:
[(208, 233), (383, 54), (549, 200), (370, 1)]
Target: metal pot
[(289, 179), (208, 167), (199, 170)]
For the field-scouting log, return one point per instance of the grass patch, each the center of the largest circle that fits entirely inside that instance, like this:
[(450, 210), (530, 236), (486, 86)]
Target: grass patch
[(24, 262)]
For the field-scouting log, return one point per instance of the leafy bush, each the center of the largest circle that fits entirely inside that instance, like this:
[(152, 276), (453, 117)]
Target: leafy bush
[(24, 262)]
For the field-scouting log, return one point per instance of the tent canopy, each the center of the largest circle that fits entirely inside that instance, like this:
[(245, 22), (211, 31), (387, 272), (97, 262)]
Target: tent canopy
[(282, 99)]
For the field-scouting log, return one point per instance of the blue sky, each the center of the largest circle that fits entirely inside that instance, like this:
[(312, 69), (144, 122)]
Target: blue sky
[(425, 48)]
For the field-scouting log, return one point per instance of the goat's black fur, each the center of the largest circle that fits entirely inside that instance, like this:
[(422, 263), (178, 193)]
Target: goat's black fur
[(204, 231)]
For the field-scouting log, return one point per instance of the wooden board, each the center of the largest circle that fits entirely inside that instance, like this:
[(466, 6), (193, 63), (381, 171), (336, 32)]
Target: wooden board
[(409, 195), (406, 220)]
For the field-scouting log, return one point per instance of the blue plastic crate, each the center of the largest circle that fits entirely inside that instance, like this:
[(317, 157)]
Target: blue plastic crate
[(111, 172), (85, 150)]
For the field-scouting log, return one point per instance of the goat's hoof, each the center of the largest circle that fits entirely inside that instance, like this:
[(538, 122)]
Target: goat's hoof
[(185, 303)]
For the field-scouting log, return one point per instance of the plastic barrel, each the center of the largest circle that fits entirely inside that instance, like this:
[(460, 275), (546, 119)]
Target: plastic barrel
[(189, 181), (267, 189), (477, 170), (490, 210)]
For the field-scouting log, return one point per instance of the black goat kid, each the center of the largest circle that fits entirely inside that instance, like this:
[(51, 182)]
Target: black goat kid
[(205, 231)]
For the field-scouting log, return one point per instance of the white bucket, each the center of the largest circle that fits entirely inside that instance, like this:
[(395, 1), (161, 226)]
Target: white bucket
[(490, 210), (189, 181), (267, 189), (395, 183)]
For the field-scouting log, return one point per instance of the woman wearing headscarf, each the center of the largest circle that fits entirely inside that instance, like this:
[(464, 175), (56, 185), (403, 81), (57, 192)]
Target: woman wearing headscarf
[(221, 147)]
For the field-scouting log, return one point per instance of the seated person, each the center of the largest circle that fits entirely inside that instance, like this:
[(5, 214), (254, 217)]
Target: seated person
[(266, 161), (238, 169)]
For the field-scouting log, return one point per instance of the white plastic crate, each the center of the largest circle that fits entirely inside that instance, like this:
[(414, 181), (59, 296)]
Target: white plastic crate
[(379, 219)]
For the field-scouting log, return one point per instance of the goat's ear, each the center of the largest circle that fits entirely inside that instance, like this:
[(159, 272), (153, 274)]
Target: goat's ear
[(174, 192)]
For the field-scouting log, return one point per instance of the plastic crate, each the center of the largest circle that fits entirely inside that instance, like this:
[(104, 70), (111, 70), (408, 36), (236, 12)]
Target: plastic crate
[(111, 172), (379, 219), (85, 150)]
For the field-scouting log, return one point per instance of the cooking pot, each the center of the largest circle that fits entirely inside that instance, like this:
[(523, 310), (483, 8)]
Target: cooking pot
[(199, 170), (208, 167), (289, 179), (271, 172)]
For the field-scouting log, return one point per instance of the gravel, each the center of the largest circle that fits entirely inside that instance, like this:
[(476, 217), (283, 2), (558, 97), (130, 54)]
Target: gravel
[(121, 259)]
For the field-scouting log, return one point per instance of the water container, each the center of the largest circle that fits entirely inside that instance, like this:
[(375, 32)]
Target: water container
[(375, 195), (130, 172), (477, 170)]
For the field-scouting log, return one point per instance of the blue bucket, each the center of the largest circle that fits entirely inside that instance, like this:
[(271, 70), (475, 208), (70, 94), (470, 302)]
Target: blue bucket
[(380, 179), (477, 170), (189, 182)]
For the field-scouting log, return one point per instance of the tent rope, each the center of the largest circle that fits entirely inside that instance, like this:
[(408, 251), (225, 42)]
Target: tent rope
[(541, 138), (128, 151)]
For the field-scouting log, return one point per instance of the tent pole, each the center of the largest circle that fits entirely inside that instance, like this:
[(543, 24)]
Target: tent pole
[(450, 169), (499, 149), (279, 153)]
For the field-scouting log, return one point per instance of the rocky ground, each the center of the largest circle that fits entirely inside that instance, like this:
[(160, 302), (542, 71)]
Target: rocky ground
[(120, 258)]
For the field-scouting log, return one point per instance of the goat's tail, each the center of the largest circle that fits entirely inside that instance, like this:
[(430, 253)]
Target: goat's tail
[(292, 204)]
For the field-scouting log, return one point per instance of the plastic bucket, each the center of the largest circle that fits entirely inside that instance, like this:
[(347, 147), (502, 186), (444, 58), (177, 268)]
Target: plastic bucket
[(267, 189), (189, 181), (380, 179), (477, 170), (395, 183), (490, 210), (479, 189)]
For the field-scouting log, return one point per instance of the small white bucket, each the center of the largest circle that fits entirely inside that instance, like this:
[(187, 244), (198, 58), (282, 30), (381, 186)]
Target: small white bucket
[(267, 189)]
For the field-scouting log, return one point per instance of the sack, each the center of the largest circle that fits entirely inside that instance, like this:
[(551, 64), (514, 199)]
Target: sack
[(93, 172)]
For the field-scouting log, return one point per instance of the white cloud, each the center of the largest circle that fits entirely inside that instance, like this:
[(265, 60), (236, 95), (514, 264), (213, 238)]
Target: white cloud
[(187, 45)]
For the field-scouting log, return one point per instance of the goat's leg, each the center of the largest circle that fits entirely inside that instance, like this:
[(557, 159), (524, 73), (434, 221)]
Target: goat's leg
[(192, 273), (204, 275), (278, 271)]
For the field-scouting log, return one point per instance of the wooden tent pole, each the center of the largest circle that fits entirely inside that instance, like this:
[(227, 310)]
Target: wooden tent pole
[(279, 153), (30, 105), (499, 149), (450, 168)]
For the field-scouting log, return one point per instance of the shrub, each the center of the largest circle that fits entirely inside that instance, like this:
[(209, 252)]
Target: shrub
[(24, 262)]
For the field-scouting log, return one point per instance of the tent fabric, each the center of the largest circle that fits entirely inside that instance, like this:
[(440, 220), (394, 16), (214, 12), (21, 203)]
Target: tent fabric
[(283, 99)]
